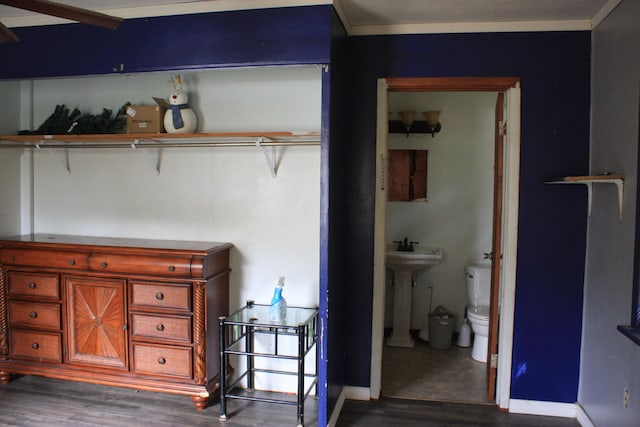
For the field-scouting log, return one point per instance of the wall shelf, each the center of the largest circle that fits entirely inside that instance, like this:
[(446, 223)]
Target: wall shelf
[(589, 180), (266, 141)]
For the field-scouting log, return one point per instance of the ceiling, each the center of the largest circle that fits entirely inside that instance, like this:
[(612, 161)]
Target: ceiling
[(372, 16)]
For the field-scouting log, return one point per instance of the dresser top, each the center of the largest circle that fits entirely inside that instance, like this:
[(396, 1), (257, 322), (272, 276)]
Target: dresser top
[(62, 240)]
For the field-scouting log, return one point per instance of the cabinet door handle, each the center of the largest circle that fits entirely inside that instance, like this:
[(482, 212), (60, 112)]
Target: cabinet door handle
[(159, 296), (160, 327), (35, 346), (32, 285), (33, 315), (162, 360)]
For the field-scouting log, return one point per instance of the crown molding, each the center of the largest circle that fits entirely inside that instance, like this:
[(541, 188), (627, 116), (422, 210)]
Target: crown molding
[(604, 12), (471, 27)]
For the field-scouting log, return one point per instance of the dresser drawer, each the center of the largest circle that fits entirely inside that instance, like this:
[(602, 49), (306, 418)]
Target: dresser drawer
[(176, 328), (44, 258), (171, 266), (34, 285), (43, 346), (161, 295), (34, 315), (162, 360)]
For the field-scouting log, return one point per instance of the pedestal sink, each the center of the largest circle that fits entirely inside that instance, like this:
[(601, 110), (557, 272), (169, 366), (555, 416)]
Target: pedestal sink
[(404, 264)]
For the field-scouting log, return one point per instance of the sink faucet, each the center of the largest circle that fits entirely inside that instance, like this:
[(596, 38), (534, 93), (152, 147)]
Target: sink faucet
[(405, 245)]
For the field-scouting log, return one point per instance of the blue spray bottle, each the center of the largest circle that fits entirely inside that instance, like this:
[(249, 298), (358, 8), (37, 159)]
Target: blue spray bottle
[(278, 309)]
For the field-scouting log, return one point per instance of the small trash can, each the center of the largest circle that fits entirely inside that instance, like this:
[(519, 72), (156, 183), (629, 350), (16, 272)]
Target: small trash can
[(441, 324)]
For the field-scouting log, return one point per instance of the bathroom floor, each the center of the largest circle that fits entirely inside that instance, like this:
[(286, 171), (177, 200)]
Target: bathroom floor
[(422, 373)]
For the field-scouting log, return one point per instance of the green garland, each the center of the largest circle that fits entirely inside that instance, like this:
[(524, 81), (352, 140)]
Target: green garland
[(63, 122)]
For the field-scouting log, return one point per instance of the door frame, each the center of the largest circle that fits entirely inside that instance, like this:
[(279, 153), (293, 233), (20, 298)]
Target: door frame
[(511, 87)]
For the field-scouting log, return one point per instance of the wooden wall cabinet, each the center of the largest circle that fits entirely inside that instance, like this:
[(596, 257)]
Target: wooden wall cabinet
[(131, 313), (407, 175)]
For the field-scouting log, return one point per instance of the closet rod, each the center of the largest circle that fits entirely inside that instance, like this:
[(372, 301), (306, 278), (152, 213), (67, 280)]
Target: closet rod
[(49, 144)]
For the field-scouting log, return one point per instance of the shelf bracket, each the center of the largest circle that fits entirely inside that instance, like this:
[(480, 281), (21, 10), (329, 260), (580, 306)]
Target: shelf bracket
[(616, 180), (619, 185), (62, 157), (155, 158), (271, 158)]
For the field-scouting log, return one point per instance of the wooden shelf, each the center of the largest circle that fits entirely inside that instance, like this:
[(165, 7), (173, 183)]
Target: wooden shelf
[(589, 180)]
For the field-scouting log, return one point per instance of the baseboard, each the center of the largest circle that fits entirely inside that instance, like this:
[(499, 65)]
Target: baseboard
[(335, 414), (537, 407), (351, 393), (582, 417), (357, 393)]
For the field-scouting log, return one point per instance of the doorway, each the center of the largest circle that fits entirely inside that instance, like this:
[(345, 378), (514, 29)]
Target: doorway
[(510, 87)]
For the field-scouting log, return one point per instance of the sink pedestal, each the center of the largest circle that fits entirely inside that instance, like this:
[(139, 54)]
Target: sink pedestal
[(404, 264), (400, 336)]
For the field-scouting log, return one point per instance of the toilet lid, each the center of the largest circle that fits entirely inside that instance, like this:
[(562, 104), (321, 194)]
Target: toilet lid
[(478, 311)]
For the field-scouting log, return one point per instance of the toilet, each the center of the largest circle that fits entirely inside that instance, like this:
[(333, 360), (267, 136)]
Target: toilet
[(478, 277)]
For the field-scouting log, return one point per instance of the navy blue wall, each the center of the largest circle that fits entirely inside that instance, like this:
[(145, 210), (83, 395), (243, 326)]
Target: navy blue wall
[(554, 68), (254, 37), (335, 157)]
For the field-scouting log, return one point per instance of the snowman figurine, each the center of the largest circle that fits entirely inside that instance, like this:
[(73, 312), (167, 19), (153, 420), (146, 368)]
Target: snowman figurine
[(179, 118)]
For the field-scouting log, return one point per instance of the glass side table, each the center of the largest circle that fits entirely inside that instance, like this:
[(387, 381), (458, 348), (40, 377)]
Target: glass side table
[(241, 327)]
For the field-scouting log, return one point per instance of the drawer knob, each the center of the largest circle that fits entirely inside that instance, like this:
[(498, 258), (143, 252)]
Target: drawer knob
[(103, 264), (172, 268), (160, 327), (72, 262), (162, 360), (35, 346), (32, 285), (33, 315), (159, 296)]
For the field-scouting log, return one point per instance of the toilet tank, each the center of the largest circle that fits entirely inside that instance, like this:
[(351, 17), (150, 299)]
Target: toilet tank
[(478, 277)]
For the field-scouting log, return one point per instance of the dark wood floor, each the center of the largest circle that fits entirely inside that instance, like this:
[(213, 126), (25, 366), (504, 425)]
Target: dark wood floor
[(404, 413), (35, 401)]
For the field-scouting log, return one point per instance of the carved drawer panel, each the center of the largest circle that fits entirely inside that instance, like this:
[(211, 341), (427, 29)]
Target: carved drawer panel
[(34, 285), (176, 328), (141, 264), (44, 258), (161, 295), (34, 315), (162, 360), (43, 346)]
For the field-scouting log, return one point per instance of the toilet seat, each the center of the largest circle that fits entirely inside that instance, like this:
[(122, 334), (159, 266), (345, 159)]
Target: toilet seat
[(478, 313)]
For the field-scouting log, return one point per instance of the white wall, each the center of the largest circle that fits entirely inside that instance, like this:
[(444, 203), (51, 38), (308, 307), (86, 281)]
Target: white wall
[(9, 160), (219, 194), (610, 362), (457, 216)]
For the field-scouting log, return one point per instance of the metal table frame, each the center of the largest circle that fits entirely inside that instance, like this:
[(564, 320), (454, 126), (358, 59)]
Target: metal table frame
[(242, 326)]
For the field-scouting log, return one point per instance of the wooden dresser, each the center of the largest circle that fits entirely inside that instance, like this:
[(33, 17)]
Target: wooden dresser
[(125, 312)]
